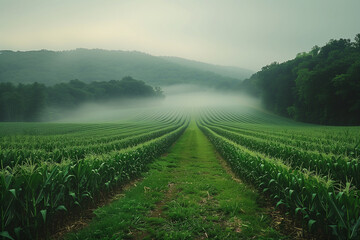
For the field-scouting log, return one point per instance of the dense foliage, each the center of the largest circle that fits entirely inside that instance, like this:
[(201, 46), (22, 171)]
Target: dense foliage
[(50, 67), (25, 102), (21, 102), (309, 171), (321, 86), (66, 167)]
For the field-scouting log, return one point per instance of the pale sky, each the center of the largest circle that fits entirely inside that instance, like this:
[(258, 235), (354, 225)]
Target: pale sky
[(248, 34)]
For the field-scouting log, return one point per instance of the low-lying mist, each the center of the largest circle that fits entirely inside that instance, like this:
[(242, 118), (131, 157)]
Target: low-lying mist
[(192, 96), (185, 97)]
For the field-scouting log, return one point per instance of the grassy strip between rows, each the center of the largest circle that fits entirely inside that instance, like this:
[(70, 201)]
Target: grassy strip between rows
[(185, 195), (33, 196)]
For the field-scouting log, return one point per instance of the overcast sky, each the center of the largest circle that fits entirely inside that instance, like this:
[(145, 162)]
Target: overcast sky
[(247, 34)]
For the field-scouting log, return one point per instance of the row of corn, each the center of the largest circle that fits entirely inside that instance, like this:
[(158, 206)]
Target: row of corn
[(318, 188), (35, 196)]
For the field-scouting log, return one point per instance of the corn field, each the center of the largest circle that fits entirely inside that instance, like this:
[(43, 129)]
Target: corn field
[(50, 170), (311, 171)]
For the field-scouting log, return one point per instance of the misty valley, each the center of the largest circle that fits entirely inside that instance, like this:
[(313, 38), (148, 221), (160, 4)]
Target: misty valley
[(121, 144)]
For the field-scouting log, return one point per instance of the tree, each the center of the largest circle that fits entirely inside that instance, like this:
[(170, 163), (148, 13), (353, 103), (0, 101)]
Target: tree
[(357, 41), (159, 92), (35, 101), (322, 86), (315, 50)]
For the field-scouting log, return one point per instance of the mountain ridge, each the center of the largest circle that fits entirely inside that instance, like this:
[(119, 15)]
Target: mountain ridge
[(52, 67), (229, 71)]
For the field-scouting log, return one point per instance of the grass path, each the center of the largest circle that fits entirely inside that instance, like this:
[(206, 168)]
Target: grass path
[(186, 195)]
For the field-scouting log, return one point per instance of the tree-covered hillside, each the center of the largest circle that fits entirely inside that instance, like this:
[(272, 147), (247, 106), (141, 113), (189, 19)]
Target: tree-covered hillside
[(320, 86), (25, 102), (229, 71), (49, 67)]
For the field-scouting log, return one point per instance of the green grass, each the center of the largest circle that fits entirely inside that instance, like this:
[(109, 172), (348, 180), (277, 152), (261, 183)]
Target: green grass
[(185, 195)]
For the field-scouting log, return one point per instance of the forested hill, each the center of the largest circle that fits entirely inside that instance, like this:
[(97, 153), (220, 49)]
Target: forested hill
[(51, 67), (229, 71), (25, 102), (319, 86)]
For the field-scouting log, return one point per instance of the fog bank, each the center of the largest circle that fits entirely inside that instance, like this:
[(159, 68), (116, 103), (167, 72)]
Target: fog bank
[(190, 98)]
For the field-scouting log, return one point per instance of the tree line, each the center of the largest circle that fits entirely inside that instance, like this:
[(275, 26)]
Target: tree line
[(25, 102), (319, 86)]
